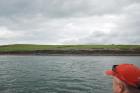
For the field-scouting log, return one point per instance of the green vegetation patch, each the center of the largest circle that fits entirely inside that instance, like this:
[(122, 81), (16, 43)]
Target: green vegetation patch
[(30, 47)]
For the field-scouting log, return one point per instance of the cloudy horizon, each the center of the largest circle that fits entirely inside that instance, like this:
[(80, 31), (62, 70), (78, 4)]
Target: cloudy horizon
[(69, 22)]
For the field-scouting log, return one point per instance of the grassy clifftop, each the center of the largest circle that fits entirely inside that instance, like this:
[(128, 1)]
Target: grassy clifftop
[(29, 49)]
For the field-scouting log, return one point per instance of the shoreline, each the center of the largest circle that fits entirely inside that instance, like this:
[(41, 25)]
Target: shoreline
[(87, 52), (70, 50), (70, 55)]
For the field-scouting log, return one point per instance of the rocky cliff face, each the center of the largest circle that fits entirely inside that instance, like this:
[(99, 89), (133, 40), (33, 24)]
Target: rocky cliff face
[(77, 52)]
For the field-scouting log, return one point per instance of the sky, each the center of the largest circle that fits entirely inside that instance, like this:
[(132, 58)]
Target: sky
[(69, 22)]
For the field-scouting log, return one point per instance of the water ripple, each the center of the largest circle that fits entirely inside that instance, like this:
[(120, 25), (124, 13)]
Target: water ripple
[(55, 74)]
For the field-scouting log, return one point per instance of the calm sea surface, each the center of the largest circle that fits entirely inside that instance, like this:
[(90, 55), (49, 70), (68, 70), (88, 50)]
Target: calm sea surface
[(58, 74)]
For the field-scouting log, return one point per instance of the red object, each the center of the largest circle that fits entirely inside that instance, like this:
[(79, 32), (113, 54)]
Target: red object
[(129, 73)]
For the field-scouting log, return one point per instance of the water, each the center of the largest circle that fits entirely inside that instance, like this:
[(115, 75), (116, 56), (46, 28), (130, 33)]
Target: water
[(58, 74)]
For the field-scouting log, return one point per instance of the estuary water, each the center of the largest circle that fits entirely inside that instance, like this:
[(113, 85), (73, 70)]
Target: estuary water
[(58, 74)]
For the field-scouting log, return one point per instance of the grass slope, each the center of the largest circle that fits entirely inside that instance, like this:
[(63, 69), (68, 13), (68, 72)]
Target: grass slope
[(30, 47)]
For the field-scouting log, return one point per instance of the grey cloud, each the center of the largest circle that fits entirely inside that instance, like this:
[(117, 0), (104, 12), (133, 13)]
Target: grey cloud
[(16, 7), (61, 8), (70, 21), (126, 32)]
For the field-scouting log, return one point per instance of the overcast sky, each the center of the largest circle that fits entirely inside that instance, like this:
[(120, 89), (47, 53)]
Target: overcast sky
[(70, 21)]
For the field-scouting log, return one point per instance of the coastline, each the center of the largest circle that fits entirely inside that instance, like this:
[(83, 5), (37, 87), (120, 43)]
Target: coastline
[(70, 55), (70, 50), (85, 52)]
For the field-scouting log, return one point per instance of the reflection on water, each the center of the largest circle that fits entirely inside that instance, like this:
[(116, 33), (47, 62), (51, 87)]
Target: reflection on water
[(58, 74)]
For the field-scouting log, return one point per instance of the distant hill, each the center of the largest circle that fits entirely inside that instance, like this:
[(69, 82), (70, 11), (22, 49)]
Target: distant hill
[(69, 49)]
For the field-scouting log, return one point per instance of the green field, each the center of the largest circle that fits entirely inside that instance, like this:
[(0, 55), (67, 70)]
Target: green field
[(30, 47)]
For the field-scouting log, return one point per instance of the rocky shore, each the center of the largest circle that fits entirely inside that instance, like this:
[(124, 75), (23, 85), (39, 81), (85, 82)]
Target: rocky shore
[(80, 52)]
